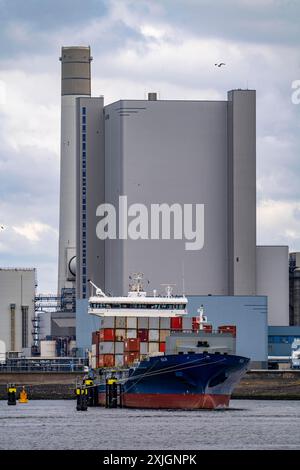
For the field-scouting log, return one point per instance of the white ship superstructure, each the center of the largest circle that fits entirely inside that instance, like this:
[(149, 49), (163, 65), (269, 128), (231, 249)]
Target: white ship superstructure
[(137, 303)]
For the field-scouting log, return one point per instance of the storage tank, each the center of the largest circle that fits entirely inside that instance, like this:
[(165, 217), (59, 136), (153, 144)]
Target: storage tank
[(48, 348)]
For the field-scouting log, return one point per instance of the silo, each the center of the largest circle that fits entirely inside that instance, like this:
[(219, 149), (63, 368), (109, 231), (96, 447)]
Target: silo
[(75, 82)]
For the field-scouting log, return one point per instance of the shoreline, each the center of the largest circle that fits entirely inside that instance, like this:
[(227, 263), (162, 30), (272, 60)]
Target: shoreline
[(255, 385)]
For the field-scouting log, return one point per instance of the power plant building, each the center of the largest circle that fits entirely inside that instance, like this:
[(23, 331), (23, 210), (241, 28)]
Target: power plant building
[(143, 157)]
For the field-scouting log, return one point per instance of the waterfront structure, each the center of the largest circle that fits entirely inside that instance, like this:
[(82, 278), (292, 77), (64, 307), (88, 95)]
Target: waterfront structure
[(17, 291), (281, 338)]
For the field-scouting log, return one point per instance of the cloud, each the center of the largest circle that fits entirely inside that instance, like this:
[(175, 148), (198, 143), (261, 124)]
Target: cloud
[(32, 231)]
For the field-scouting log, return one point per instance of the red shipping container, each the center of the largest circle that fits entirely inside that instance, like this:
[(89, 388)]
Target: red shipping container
[(143, 335), (228, 329), (176, 323), (107, 334), (162, 347), (208, 328), (195, 323), (130, 357), (131, 345), (106, 360)]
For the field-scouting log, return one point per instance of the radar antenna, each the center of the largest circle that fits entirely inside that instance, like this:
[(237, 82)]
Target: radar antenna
[(169, 289)]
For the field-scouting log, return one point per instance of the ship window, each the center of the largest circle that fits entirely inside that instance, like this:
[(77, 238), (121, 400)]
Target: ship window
[(84, 110)]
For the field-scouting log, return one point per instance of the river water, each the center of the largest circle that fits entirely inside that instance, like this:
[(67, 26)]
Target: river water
[(248, 424)]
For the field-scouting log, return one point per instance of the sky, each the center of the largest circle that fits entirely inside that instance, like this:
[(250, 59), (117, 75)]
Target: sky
[(169, 46)]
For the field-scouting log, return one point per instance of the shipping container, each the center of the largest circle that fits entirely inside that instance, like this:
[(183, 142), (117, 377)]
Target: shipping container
[(154, 335), (120, 334), (164, 323), (143, 335), (107, 334), (187, 323), (153, 347), (131, 323), (119, 347), (130, 358), (95, 349), (153, 323), (162, 347), (131, 333), (119, 360), (195, 323), (131, 345), (106, 347), (228, 329), (107, 322), (120, 322), (143, 323), (163, 335), (207, 328), (144, 348), (176, 323), (106, 360)]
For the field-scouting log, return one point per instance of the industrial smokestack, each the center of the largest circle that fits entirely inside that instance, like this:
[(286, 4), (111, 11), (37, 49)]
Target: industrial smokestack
[(75, 82)]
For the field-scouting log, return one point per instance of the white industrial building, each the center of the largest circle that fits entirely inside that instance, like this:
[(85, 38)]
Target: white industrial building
[(17, 291)]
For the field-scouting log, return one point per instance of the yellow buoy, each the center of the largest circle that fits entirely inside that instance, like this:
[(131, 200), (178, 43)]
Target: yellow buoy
[(23, 396)]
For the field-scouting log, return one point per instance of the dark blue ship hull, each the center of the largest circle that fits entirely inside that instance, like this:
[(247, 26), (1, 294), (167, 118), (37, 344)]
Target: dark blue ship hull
[(188, 381)]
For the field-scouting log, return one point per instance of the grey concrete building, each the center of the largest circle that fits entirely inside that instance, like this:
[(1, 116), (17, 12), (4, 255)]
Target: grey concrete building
[(273, 281), (17, 291), (294, 289)]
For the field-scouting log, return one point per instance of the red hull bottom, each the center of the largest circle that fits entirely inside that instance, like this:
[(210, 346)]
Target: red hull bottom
[(175, 401)]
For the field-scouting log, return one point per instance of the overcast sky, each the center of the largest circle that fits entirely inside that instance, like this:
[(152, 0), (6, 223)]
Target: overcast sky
[(168, 46)]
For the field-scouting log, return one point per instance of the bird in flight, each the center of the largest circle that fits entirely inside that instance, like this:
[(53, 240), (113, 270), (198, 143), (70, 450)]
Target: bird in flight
[(220, 64)]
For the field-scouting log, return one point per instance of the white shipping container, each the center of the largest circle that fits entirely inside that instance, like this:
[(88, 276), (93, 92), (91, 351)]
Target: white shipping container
[(107, 322), (143, 323), (153, 323), (143, 348), (107, 347), (94, 349), (153, 335), (163, 334), (120, 334), (119, 360), (164, 323), (119, 347), (187, 323), (131, 334), (120, 322), (153, 347), (131, 322)]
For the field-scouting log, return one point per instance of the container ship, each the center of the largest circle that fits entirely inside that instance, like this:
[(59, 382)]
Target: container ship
[(151, 355)]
